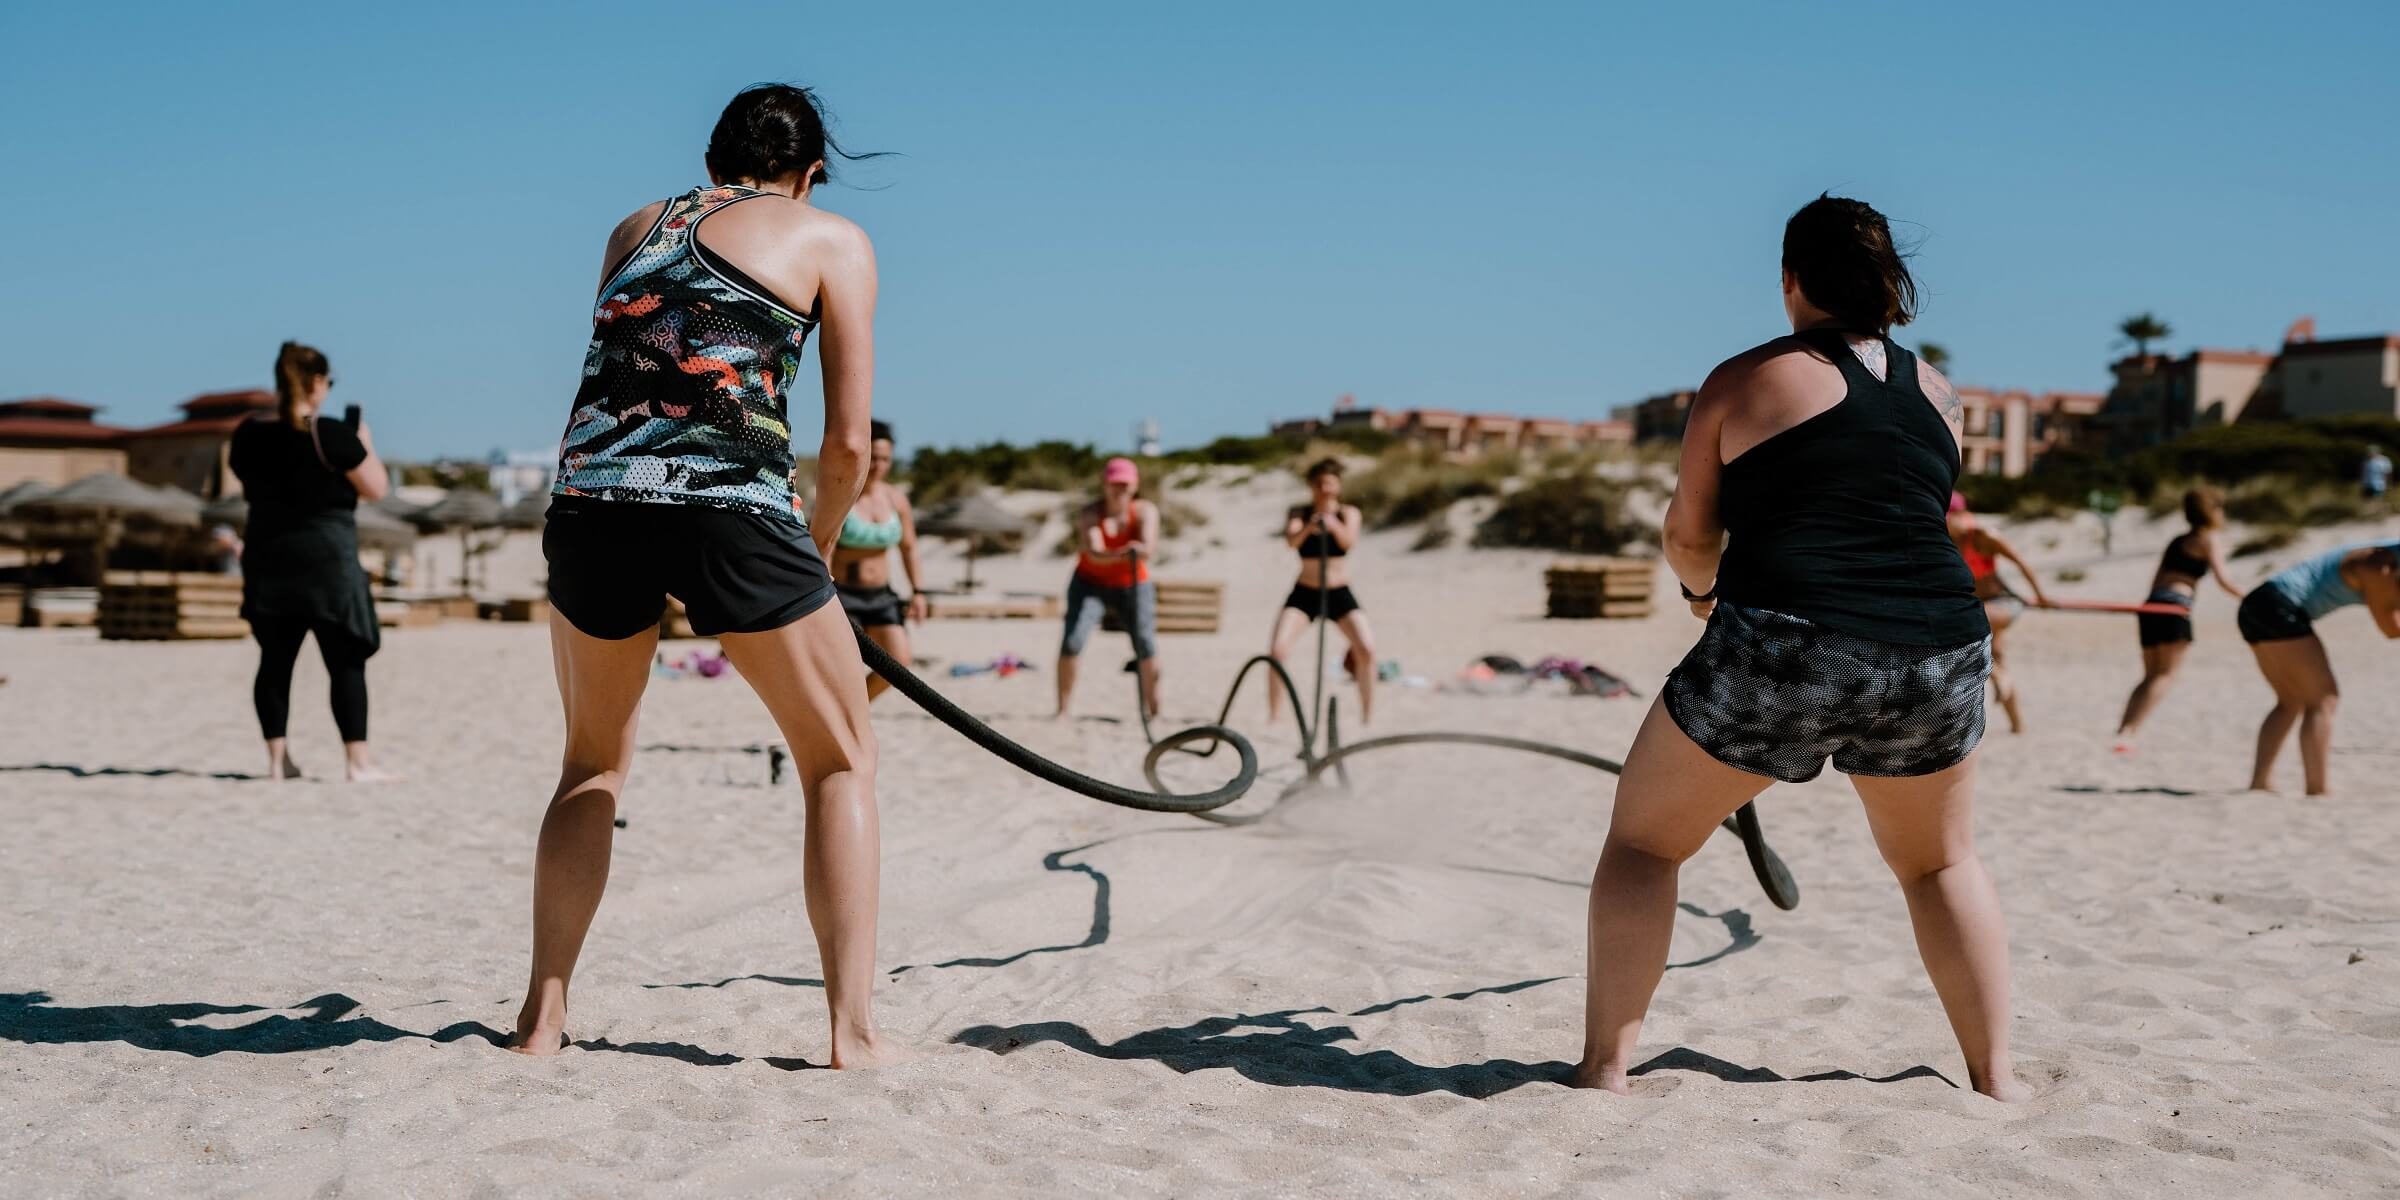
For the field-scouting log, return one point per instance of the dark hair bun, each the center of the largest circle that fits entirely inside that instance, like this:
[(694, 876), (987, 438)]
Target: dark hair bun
[(1841, 253), (773, 131)]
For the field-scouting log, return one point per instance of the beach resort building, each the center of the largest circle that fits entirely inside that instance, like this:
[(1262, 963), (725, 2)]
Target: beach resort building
[(53, 442), (2158, 397), (190, 453), (1461, 432)]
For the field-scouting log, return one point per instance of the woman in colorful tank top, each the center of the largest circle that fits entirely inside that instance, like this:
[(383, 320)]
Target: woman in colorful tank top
[(2278, 618), (1115, 537), (879, 523), (1807, 527), (675, 480), (1983, 552)]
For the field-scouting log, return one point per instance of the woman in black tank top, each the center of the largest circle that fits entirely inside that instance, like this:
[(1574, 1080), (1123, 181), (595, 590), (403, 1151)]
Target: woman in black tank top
[(1808, 528), (2190, 557)]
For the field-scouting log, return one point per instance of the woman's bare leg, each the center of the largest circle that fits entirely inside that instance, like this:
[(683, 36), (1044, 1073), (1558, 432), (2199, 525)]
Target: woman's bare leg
[(601, 684), (1925, 829), (810, 677), (1289, 622), (2305, 694), (1362, 659), (2004, 689), (894, 640), (1669, 800), (2159, 664)]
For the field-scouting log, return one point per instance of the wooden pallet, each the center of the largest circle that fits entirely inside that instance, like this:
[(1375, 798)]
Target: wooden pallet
[(1008, 606), (403, 614), (1184, 606), (1614, 588), (170, 606), (516, 608)]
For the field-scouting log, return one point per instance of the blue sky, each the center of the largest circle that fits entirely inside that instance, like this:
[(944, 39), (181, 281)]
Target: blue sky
[(1210, 215)]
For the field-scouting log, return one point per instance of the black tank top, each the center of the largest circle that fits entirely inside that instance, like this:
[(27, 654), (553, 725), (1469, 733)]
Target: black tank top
[(1839, 520), (2178, 561)]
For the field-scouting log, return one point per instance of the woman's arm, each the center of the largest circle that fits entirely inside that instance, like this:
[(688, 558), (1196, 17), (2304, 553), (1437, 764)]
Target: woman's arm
[(1693, 536), (1145, 537), (1345, 525), (2002, 550), (370, 477), (2216, 565), (1295, 526), (2378, 579), (908, 555), (846, 290)]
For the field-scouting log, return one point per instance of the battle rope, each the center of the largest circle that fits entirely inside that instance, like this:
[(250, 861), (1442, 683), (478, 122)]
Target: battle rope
[(940, 707), (1773, 875)]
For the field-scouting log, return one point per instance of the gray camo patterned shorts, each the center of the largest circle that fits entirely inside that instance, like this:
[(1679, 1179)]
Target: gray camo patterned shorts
[(1775, 695)]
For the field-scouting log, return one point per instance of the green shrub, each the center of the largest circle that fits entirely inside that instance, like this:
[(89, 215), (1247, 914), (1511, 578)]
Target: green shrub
[(2266, 541), (1574, 511), (1410, 483)]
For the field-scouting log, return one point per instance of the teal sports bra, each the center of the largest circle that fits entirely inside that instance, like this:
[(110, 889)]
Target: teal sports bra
[(858, 533)]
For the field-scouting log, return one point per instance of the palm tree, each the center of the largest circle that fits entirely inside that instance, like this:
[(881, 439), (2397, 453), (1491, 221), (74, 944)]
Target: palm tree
[(1934, 354), (2142, 329)]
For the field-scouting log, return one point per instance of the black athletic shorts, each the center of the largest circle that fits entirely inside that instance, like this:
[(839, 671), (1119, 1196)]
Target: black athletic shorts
[(873, 606), (613, 563), (2267, 615), (1337, 603), (1775, 695), (2159, 629)]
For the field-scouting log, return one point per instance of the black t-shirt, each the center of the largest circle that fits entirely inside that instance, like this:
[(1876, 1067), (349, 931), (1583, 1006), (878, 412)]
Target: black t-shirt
[(294, 477)]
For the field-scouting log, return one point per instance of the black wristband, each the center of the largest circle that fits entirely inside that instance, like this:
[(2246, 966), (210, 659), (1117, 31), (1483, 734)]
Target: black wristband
[(1687, 593)]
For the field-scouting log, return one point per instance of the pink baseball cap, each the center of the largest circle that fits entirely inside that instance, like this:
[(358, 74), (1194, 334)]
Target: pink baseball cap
[(1958, 503), (1120, 470)]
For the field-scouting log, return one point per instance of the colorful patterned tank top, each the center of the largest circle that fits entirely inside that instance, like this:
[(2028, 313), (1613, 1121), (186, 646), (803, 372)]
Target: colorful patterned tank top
[(684, 383)]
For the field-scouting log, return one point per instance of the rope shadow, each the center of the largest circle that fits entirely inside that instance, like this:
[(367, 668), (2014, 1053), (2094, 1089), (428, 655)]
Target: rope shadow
[(30, 1018), (1684, 1058), (81, 772)]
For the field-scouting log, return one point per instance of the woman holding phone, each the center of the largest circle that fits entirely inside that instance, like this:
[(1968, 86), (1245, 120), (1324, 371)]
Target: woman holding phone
[(304, 475)]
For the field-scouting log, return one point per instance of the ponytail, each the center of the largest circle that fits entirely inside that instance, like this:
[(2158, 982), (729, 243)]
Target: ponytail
[(297, 369)]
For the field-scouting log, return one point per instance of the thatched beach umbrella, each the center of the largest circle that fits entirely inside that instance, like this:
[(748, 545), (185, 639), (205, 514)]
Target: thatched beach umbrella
[(465, 510), (528, 512), (973, 517), (98, 508)]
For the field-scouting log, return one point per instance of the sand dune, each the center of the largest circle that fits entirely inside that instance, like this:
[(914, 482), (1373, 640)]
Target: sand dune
[(214, 987)]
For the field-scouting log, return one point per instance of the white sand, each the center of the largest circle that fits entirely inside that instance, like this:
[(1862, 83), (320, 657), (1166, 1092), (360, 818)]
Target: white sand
[(213, 987)]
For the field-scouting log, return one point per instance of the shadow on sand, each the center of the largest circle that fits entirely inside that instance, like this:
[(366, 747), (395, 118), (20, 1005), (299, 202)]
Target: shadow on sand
[(81, 772)]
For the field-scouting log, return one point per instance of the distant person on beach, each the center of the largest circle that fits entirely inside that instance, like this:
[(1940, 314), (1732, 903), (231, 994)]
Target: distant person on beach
[(2190, 557), (1807, 527), (675, 480), (2374, 474), (1322, 531), (880, 522), (1115, 538), (2278, 618), (1984, 552), (303, 475)]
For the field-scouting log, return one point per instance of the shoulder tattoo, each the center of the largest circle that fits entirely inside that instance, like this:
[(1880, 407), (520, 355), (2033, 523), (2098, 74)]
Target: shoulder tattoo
[(1944, 397)]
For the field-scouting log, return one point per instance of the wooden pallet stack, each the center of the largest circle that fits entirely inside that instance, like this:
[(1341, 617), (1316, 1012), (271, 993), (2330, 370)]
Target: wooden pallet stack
[(1583, 588), (1184, 606), (170, 605), (1008, 606)]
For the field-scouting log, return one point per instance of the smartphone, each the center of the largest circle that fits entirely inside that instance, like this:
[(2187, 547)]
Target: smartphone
[(350, 417)]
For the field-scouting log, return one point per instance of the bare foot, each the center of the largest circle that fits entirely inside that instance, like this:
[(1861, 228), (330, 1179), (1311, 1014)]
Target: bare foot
[(2124, 745), (369, 775), (2006, 1089), (1600, 1079), (852, 1052), (541, 1041)]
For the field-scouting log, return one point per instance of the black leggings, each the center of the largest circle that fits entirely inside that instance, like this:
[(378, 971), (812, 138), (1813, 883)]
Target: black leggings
[(278, 648)]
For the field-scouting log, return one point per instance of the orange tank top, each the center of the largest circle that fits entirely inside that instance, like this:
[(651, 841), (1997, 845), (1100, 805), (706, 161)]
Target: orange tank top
[(1115, 572)]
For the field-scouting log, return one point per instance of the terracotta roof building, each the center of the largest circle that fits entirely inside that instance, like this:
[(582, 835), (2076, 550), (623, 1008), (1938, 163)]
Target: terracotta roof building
[(49, 441), (190, 453)]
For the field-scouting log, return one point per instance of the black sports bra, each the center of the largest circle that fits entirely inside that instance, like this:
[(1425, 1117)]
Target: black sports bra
[(2177, 561)]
